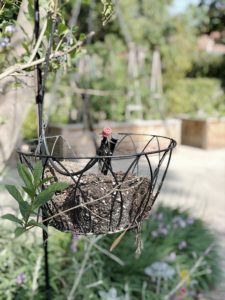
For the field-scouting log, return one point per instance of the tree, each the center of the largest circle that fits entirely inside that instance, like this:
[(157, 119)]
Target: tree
[(211, 15)]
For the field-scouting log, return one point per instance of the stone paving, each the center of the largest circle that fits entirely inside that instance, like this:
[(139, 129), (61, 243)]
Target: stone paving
[(195, 181)]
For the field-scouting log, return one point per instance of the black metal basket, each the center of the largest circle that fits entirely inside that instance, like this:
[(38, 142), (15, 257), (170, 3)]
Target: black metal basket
[(98, 201)]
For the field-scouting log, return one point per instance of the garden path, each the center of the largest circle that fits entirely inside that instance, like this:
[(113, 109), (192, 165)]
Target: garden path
[(196, 181)]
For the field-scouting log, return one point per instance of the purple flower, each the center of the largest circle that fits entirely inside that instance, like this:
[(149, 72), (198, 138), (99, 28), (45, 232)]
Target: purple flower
[(172, 256), (10, 28), (21, 278), (6, 40), (190, 221), (154, 234), (163, 231), (179, 222), (73, 246), (2, 44), (182, 223), (160, 216), (182, 245)]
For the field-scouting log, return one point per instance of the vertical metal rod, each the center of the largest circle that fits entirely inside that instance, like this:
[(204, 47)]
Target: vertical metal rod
[(39, 102), (47, 279), (39, 98)]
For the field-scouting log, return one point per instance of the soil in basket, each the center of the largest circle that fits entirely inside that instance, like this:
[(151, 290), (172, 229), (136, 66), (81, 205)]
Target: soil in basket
[(107, 203)]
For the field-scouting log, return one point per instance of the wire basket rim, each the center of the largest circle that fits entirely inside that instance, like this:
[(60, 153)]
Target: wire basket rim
[(171, 146)]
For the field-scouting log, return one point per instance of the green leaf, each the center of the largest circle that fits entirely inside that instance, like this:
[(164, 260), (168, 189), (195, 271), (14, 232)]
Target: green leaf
[(30, 192), (37, 173), (12, 218), (42, 198), (14, 192), (35, 223), (57, 186), (23, 205), (46, 180), (19, 231), (25, 175), (63, 29), (48, 193)]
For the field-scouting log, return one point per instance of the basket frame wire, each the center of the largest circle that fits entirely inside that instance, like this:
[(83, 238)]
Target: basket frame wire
[(55, 162)]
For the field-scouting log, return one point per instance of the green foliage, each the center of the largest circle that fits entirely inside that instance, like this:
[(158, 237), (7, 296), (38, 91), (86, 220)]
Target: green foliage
[(145, 20), (203, 96), (8, 12), (23, 265), (29, 127), (179, 51), (162, 236), (35, 196), (213, 16), (208, 65)]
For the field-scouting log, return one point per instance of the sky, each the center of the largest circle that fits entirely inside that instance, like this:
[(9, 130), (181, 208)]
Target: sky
[(180, 5)]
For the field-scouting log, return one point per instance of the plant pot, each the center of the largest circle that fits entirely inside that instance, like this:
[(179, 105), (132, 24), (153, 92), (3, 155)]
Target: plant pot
[(206, 134)]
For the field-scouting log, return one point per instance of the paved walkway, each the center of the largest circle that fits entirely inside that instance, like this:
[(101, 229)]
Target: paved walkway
[(196, 181)]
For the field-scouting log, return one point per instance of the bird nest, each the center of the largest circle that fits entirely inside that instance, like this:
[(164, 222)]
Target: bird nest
[(97, 201)]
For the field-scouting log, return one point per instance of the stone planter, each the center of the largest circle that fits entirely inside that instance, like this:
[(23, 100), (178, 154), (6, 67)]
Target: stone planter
[(203, 133)]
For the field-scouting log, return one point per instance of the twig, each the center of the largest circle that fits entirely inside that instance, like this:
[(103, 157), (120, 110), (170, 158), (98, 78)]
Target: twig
[(95, 214), (38, 42), (78, 277), (18, 67), (192, 270), (107, 253), (35, 276), (92, 92), (94, 284)]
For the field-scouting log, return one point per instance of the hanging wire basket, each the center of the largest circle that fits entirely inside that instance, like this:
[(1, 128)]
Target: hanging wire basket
[(106, 193)]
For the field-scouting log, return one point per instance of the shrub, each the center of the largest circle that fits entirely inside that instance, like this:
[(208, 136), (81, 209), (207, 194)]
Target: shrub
[(29, 127), (173, 241), (196, 95)]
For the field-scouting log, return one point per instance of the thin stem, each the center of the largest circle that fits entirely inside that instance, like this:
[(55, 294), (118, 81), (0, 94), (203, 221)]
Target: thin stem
[(192, 270), (38, 42), (82, 269), (20, 67), (107, 253)]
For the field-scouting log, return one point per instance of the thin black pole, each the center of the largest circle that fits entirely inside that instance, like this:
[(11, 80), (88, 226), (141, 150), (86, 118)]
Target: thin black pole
[(47, 278), (39, 102), (39, 96)]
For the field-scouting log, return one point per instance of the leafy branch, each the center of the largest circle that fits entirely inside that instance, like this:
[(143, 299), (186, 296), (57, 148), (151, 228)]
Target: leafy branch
[(57, 54), (35, 196)]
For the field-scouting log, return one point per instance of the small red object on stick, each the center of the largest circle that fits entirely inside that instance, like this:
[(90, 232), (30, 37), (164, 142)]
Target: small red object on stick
[(107, 131)]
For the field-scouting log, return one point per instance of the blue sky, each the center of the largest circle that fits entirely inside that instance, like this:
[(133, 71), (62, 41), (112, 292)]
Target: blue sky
[(180, 5)]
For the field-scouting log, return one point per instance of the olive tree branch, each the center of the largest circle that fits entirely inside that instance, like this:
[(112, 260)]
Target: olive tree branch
[(38, 42), (20, 67)]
